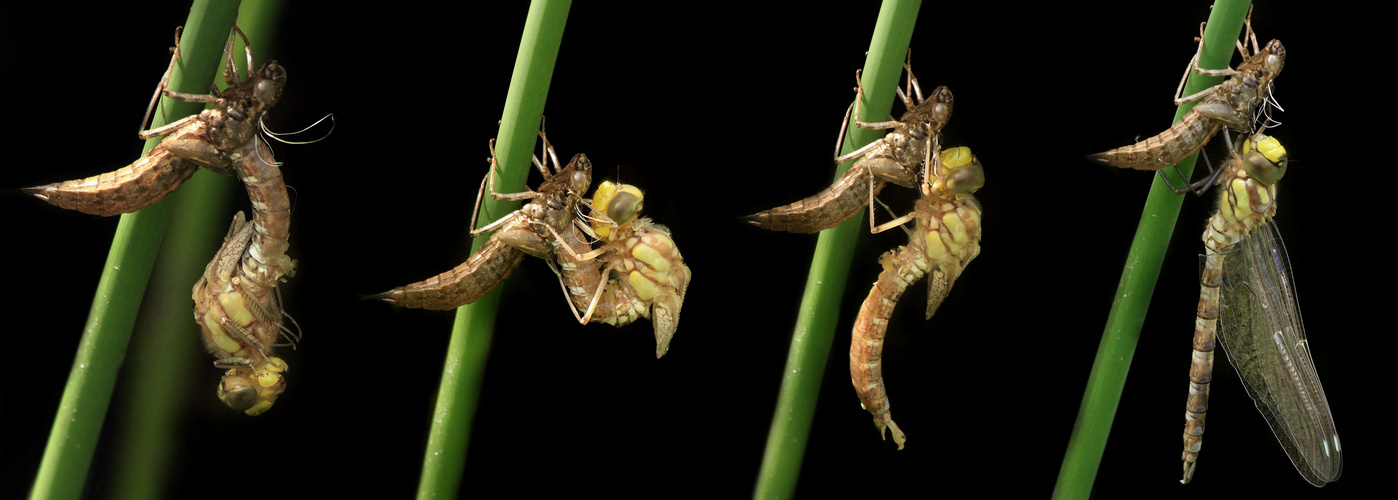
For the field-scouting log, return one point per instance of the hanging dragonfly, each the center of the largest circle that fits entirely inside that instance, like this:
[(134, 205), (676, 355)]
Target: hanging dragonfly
[(1232, 104), (945, 238), (897, 157), (642, 274), (1248, 299), (236, 302), (240, 317), (535, 229)]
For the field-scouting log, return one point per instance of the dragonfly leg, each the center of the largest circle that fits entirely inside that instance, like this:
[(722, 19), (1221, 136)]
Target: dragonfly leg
[(159, 88), (527, 194)]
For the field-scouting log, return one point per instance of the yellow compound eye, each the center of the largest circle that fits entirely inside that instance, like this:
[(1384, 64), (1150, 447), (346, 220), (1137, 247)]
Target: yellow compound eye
[(957, 157), (1264, 159)]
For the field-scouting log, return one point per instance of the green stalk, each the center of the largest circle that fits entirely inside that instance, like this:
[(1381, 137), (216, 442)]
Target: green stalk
[(1138, 277), (166, 351), (470, 337), (78, 422), (820, 304)]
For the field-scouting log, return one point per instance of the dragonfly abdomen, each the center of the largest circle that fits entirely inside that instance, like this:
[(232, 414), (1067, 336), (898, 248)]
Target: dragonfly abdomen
[(903, 266), (823, 210), (463, 284), (1166, 148)]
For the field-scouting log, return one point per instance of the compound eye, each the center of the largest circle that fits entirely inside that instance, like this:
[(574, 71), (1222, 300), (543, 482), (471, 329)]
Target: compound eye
[(581, 180), (967, 179), (625, 204), (1264, 159), (941, 113), (1264, 170), (237, 392)]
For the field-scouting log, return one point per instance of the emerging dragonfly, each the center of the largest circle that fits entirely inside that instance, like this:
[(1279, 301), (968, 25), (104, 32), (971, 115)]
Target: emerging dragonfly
[(241, 319), (236, 304), (535, 229), (1247, 297), (1231, 104), (945, 238), (642, 272), (897, 157)]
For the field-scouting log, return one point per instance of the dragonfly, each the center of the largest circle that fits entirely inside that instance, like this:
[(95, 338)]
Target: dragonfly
[(945, 238), (241, 321), (640, 273), (535, 229), (1247, 298), (236, 302), (213, 139), (1233, 103), (897, 157)]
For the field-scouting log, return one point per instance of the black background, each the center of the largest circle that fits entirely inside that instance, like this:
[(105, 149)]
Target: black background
[(716, 111)]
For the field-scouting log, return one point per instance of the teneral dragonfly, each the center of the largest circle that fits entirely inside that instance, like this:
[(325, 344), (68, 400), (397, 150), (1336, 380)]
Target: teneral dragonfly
[(897, 157), (1231, 104), (945, 238), (1248, 299), (534, 229), (639, 274), (241, 320)]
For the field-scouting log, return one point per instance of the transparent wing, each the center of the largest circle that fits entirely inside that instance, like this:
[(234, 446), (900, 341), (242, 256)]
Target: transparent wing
[(1260, 329)]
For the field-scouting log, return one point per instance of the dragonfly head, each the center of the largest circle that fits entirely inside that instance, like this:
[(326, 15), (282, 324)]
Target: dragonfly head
[(252, 391), (1264, 159), (963, 173), (272, 78), (1276, 57), (619, 202), (580, 174), (941, 100)]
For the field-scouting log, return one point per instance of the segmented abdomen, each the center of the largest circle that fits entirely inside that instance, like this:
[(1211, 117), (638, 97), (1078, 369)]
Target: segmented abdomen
[(481, 273), (265, 262), (901, 267), (648, 279), (824, 210), (1166, 148), (127, 189), (947, 238), (1243, 205)]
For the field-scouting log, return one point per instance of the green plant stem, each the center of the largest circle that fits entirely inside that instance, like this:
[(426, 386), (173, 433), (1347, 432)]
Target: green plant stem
[(78, 422), (1138, 277), (815, 325), (471, 333), (165, 346)]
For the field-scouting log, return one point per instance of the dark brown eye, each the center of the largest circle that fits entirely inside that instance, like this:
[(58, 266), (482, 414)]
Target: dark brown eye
[(237, 392), (624, 206), (581, 180), (967, 179), (941, 113)]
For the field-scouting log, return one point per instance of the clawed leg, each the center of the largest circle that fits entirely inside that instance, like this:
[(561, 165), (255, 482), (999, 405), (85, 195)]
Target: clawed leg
[(1249, 35), (230, 70), (859, 97), (898, 222), (853, 110), (913, 87), (160, 88), (489, 181), (564, 246), (1202, 185), (586, 316), (1194, 67)]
